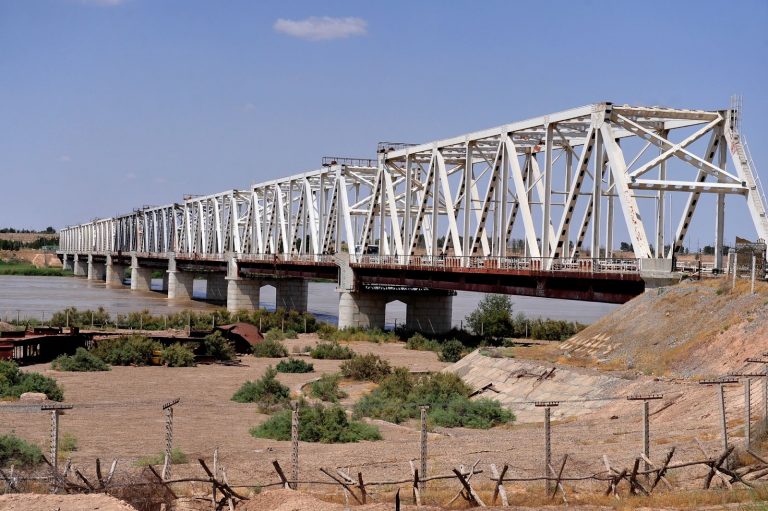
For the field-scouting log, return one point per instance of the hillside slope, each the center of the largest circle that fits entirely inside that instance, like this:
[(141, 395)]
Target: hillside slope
[(693, 329)]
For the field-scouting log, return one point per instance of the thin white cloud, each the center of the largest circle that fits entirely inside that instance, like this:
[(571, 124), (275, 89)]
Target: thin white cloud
[(249, 107), (160, 180), (65, 158), (130, 176), (322, 28)]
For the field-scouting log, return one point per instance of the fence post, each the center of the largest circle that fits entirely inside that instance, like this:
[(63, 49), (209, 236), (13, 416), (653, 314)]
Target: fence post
[(646, 422), (732, 255), (754, 263), (423, 448), (56, 410), (723, 422), (747, 413), (295, 445), (547, 405), (168, 407)]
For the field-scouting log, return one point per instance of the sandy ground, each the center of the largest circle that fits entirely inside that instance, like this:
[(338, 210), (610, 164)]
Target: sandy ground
[(118, 414), (38, 502)]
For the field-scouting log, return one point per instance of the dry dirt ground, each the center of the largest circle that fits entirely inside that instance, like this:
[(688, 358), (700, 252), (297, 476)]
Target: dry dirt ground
[(38, 502), (118, 414)]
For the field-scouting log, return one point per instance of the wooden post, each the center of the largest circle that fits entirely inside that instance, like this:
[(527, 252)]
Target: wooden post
[(423, 448), (295, 446), (735, 268), (547, 405), (168, 408), (754, 263), (747, 412)]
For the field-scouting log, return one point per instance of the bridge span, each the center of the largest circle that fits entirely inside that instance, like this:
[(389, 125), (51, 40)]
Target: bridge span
[(531, 208)]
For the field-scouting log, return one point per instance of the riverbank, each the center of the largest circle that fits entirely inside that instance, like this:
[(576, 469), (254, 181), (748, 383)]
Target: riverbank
[(23, 268)]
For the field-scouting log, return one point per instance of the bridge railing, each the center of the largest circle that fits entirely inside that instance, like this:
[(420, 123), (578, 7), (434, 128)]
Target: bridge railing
[(287, 258), (582, 265)]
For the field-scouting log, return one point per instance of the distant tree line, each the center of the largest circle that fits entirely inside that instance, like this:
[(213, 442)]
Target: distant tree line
[(18, 245), (11, 230)]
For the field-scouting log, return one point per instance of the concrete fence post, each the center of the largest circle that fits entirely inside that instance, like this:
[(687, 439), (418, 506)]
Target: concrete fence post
[(423, 448), (295, 445), (168, 408)]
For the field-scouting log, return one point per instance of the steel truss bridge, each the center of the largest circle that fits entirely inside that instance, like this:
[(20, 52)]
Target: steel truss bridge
[(540, 197)]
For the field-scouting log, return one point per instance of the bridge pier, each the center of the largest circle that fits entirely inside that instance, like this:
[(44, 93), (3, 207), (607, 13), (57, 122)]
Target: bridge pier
[(291, 294), (243, 294), (216, 287), (96, 270), (80, 266), (114, 273), (141, 278), (66, 263), (428, 312), (179, 282)]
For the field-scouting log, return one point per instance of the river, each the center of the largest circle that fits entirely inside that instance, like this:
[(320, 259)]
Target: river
[(40, 297)]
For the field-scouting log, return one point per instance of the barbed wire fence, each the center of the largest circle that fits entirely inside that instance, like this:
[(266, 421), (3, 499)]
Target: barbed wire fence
[(561, 465)]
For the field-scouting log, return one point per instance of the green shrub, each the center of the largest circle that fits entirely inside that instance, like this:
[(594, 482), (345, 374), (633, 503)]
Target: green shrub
[(421, 343), (178, 457), (331, 351), (275, 334), (269, 348), (268, 393), (327, 388), (294, 365), (368, 367), (83, 360), (451, 351), (178, 355), (17, 452), (352, 334), (400, 394), (291, 334), (14, 383), (481, 413), (127, 350), (68, 443), (217, 346), (317, 423)]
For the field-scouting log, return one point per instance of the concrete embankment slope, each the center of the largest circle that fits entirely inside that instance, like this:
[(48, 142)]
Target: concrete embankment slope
[(693, 329)]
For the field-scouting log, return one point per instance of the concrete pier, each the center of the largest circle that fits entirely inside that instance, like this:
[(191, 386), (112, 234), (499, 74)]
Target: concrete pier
[(96, 270), (80, 266), (141, 277), (114, 273), (291, 294), (428, 312), (66, 263), (243, 294), (216, 286)]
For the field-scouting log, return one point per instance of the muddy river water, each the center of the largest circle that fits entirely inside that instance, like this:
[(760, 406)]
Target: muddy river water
[(39, 297)]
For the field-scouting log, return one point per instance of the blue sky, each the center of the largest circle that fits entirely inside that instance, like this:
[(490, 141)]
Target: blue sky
[(107, 105)]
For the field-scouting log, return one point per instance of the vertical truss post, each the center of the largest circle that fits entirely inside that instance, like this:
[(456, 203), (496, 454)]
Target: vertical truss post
[(609, 215), (565, 251), (547, 214), (660, 207), (597, 198), (720, 206), (168, 408)]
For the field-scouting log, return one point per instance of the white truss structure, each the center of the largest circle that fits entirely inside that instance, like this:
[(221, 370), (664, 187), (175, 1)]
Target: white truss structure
[(558, 183)]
